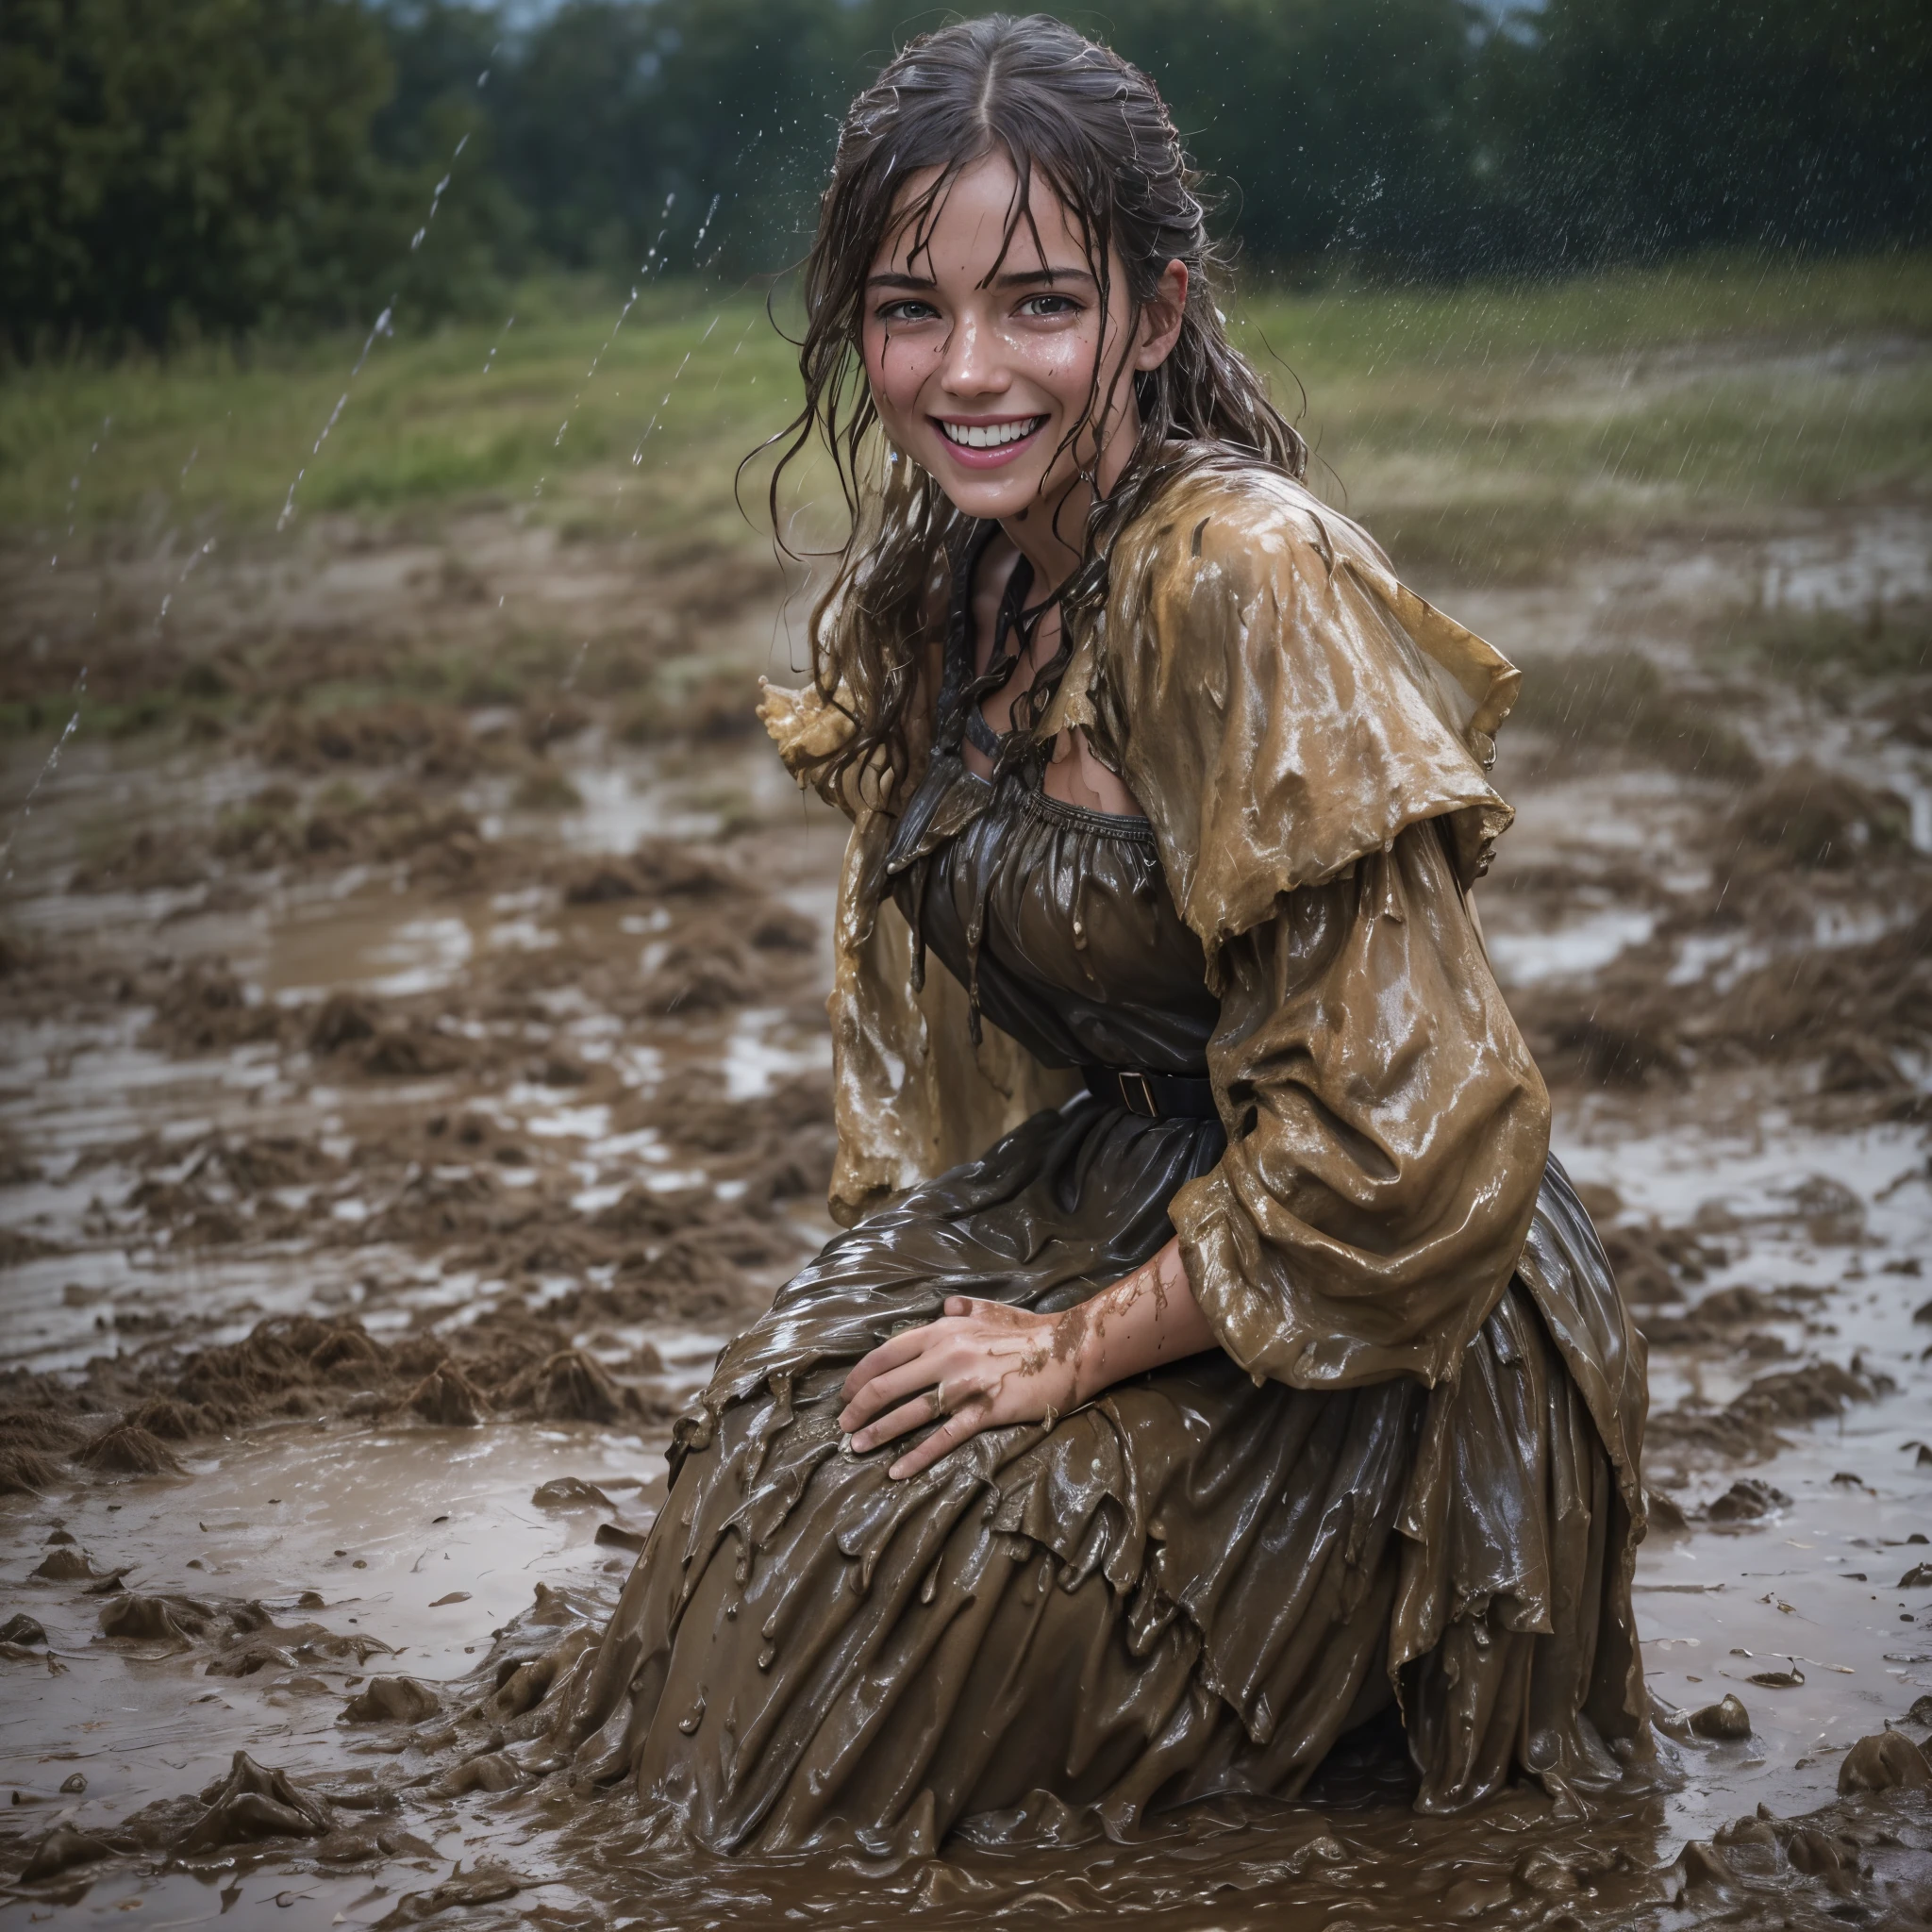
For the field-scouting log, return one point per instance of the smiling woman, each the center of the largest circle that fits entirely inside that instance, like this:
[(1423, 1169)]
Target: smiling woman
[(984, 346), (1133, 1449)]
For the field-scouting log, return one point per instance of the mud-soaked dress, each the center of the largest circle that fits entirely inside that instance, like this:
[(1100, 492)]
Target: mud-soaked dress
[(1193, 1584)]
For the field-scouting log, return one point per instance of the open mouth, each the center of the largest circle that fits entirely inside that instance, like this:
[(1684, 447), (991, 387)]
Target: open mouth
[(988, 434)]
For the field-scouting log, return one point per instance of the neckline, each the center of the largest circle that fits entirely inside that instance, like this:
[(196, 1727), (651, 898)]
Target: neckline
[(1135, 827), (960, 676)]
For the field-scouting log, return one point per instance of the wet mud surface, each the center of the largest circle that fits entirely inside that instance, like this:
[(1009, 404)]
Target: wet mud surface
[(414, 1069)]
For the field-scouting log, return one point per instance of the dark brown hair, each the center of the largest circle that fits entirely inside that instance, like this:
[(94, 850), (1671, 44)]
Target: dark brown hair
[(1075, 115)]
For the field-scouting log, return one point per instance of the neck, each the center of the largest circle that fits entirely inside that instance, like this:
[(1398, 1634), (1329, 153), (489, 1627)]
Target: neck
[(1051, 533)]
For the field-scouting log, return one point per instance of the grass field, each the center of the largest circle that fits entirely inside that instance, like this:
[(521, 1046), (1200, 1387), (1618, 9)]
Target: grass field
[(1482, 430)]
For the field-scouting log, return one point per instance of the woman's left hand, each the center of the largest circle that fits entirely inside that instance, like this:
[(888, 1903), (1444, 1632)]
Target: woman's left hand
[(979, 1366)]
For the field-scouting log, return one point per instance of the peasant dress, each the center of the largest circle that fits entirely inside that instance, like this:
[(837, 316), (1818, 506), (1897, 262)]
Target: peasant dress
[(1198, 1582)]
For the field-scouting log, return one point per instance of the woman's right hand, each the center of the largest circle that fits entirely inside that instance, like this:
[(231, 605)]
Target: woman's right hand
[(983, 1365)]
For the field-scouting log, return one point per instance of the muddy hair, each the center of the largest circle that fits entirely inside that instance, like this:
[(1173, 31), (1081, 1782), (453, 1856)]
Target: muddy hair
[(1076, 116)]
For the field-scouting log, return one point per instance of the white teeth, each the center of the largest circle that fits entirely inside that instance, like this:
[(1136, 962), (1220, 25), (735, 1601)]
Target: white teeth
[(990, 435)]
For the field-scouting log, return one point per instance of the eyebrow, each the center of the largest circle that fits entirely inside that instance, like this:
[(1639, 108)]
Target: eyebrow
[(1019, 278)]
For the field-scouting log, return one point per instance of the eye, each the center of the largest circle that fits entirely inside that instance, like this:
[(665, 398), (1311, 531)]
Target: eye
[(907, 309), (1043, 307)]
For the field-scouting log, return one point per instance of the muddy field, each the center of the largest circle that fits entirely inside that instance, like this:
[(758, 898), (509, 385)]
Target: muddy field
[(414, 1067)]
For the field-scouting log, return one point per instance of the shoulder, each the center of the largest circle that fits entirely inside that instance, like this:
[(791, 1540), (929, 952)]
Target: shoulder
[(1234, 540), (1228, 522), (1282, 704)]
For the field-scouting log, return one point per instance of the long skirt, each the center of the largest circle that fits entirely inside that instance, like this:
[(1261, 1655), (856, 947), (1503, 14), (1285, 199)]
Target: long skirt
[(1192, 1586)]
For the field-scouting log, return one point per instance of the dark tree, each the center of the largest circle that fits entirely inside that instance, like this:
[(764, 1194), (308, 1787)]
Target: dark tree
[(204, 164), (1637, 127)]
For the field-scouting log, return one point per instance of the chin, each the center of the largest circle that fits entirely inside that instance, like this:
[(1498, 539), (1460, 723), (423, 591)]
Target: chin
[(993, 496)]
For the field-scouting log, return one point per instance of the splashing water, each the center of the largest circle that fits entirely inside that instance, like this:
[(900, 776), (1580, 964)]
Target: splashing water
[(26, 804)]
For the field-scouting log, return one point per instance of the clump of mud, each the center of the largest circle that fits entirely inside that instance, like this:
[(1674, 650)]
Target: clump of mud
[(658, 868), (1805, 815), (1746, 1428), (1799, 856), (512, 1363)]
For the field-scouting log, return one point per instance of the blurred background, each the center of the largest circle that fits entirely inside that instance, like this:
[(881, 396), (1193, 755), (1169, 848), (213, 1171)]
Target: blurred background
[(412, 960), (221, 167)]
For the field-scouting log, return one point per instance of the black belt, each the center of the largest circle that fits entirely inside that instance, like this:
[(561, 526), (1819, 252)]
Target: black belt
[(1153, 1096)]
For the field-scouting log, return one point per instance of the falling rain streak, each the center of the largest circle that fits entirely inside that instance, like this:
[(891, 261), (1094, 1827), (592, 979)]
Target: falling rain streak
[(161, 615), (436, 198), (74, 483), (491, 359), (384, 326), (631, 303), (27, 805), (636, 455)]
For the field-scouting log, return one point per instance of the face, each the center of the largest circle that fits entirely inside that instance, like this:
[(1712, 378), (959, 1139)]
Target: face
[(980, 366)]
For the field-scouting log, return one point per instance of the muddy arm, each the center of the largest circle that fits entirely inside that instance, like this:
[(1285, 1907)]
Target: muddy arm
[(1386, 1129)]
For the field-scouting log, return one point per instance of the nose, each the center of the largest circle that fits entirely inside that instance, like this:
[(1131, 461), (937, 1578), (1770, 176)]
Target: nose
[(972, 368)]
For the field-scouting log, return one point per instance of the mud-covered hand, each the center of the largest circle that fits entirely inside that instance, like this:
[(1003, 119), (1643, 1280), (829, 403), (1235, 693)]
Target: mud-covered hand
[(984, 1364), (980, 1365)]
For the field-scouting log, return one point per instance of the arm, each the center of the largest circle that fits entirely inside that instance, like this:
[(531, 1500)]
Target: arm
[(1389, 1133), (984, 1364)]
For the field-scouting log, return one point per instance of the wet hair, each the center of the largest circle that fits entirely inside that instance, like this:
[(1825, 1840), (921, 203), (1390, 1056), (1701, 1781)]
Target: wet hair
[(1074, 115)]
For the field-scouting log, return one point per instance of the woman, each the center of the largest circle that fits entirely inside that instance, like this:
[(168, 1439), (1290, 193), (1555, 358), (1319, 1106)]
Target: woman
[(1215, 1360)]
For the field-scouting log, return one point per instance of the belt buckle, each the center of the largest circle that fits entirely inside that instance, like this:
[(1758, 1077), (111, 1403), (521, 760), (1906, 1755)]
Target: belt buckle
[(1137, 1092)]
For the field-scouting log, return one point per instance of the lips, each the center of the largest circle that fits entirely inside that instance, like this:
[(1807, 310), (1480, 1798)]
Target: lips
[(988, 446)]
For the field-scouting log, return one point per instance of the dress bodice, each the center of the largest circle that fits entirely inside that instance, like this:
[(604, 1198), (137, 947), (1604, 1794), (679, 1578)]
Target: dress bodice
[(1057, 919)]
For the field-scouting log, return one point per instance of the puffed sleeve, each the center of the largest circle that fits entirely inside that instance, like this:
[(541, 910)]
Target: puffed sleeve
[(1386, 1131), (1310, 742)]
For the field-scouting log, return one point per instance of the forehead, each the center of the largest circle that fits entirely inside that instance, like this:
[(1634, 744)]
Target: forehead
[(963, 228)]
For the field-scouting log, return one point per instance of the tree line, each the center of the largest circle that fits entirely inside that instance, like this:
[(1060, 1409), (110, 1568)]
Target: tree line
[(229, 167)]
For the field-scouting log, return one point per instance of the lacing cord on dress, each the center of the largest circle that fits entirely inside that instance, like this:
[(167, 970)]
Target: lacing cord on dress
[(951, 718), (961, 697)]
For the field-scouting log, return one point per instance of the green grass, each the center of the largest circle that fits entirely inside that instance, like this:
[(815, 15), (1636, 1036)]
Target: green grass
[(1484, 430), (209, 435), (1487, 430)]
